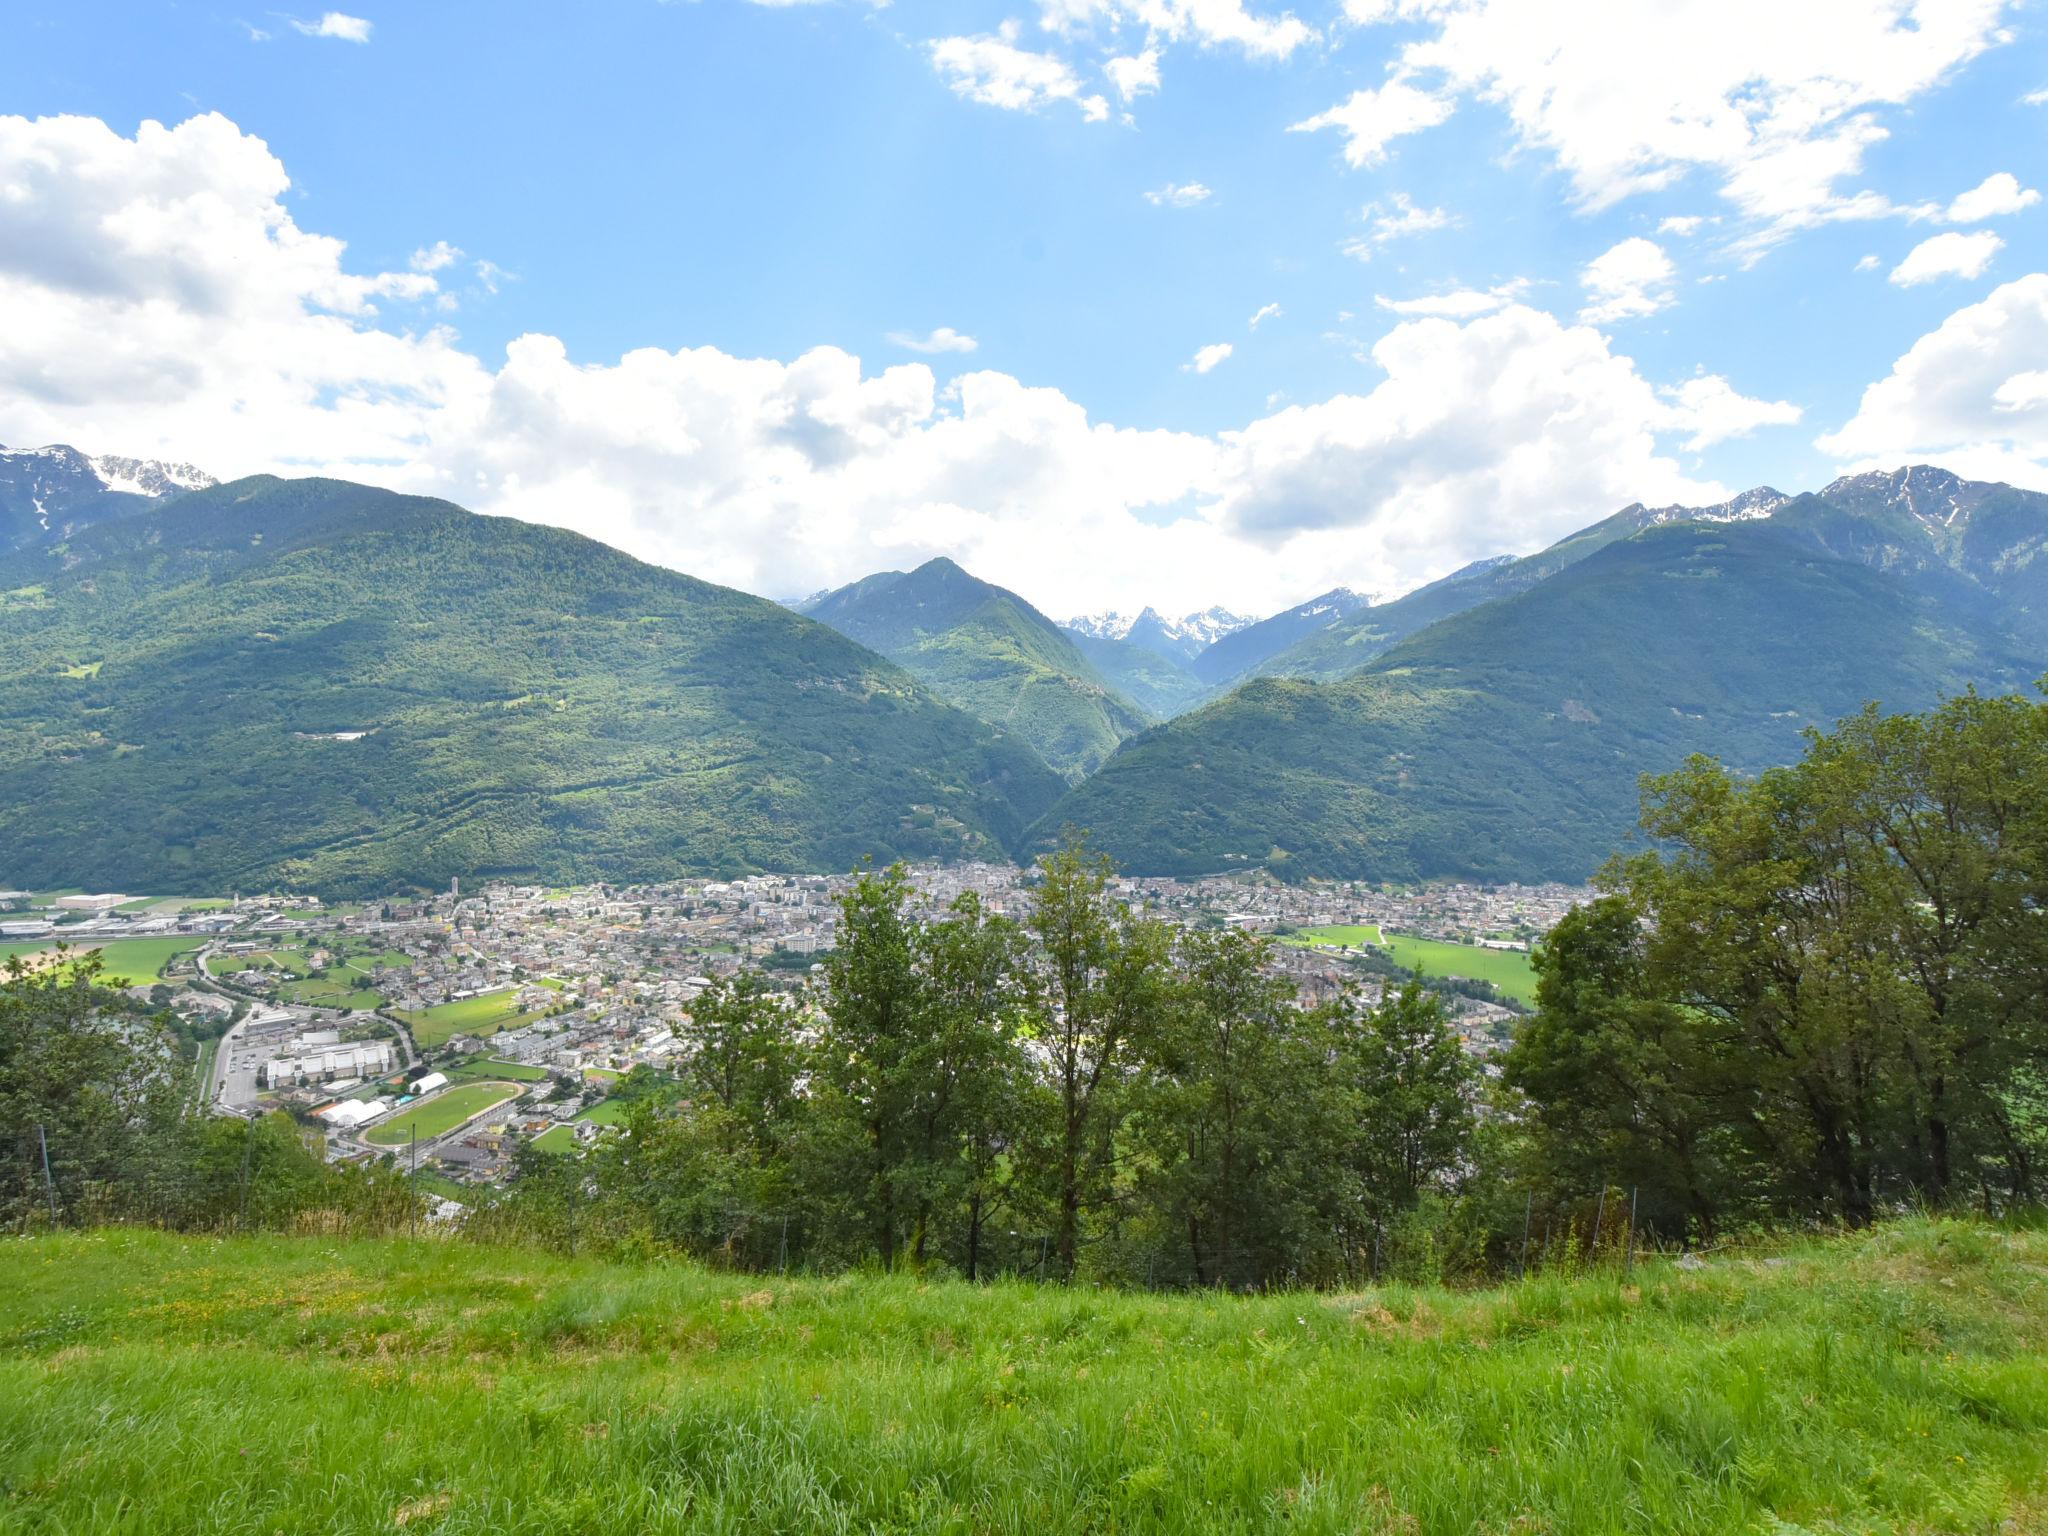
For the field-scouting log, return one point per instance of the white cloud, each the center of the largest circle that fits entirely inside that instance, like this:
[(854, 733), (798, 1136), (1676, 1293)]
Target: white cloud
[(433, 258), (1207, 358), (1949, 255), (1264, 312), (995, 72), (1134, 75), (1995, 196), (2036, 98), (347, 29), (944, 339), (161, 300), (1968, 395), (1777, 103), (1626, 281), (1371, 120), (1868, 263), (1458, 303), (1397, 220), (1179, 195), (1682, 225), (1211, 23), (1715, 412)]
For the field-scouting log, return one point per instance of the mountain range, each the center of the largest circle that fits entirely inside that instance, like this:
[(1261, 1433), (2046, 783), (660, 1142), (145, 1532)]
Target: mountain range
[(51, 492), (320, 685)]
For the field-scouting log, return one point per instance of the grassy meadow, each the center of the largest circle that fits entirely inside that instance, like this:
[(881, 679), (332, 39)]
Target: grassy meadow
[(1892, 1381), (1507, 969), (484, 1015), (442, 1113), (129, 962)]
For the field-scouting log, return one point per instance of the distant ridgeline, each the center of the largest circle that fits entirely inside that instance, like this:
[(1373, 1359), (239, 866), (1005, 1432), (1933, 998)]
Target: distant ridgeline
[(336, 688)]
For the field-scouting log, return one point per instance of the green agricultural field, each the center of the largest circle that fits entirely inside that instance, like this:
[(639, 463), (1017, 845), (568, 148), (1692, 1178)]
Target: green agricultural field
[(1335, 935), (1507, 969), (556, 1138), (1893, 1381), (490, 1067), (442, 1113), (128, 962), (484, 1015)]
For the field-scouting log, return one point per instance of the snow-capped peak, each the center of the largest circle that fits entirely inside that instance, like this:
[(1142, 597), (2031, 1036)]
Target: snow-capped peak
[(1197, 629), (149, 477)]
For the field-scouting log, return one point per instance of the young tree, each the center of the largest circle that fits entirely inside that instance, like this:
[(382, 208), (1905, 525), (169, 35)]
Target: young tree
[(1106, 968)]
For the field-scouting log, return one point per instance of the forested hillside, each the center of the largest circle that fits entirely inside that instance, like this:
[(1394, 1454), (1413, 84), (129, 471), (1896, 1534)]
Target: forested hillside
[(1505, 742), (992, 654), (326, 686)]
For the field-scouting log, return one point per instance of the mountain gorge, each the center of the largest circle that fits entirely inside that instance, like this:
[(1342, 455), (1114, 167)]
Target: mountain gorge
[(318, 685)]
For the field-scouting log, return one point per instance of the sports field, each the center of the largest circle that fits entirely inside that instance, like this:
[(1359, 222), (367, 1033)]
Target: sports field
[(1507, 969), (484, 1015), (129, 962), (1338, 935), (491, 1067), (442, 1113)]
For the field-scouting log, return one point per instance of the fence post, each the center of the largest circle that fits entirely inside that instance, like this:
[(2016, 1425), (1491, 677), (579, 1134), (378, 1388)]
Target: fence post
[(1628, 1265), (1599, 1220), (49, 1181), (1528, 1210), (248, 1142)]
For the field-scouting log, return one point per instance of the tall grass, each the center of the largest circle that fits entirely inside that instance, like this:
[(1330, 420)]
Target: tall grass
[(1895, 1380)]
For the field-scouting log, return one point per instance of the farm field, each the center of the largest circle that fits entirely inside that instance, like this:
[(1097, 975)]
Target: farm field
[(1338, 934), (484, 1015), (128, 961), (1891, 1381), (441, 1114), (1507, 969)]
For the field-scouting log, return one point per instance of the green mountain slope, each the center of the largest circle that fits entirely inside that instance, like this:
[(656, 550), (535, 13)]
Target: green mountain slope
[(992, 654), (1157, 684), (1506, 742), (322, 685)]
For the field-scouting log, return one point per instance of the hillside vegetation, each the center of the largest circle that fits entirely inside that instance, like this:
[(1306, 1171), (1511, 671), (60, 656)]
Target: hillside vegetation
[(992, 654), (1897, 1380), (325, 686), (1505, 742)]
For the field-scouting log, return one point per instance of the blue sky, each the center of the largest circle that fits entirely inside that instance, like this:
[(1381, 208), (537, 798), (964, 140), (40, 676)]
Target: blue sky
[(736, 183)]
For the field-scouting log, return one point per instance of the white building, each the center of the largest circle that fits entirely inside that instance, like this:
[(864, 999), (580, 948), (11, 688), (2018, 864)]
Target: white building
[(369, 1058)]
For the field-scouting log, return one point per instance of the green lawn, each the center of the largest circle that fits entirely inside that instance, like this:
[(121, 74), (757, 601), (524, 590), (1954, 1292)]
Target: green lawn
[(556, 1138), (486, 1066), (1337, 934), (484, 1015), (606, 1112), (129, 962), (440, 1114), (1895, 1381), (1507, 969)]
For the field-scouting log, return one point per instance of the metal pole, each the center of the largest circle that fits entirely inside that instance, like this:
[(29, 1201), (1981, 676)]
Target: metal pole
[(1630, 1264), (1528, 1210), (248, 1142), (782, 1247), (1599, 1219), (49, 1182)]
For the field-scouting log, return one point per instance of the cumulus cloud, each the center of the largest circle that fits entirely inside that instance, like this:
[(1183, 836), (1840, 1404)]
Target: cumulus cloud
[(1179, 195), (1778, 105), (1211, 23), (1458, 303), (1394, 220), (1208, 358), (994, 71), (1968, 395), (1626, 281), (346, 29), (1135, 74), (1371, 120), (1716, 411), (944, 339), (162, 300), (433, 258), (1993, 197), (1949, 255)]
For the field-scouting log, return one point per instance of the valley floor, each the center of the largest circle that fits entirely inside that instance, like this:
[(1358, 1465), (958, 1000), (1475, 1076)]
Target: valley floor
[(1896, 1380)]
